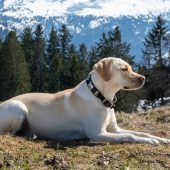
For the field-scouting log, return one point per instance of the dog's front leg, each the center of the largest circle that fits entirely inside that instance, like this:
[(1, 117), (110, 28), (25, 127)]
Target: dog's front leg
[(96, 131), (142, 134), (122, 138), (113, 128)]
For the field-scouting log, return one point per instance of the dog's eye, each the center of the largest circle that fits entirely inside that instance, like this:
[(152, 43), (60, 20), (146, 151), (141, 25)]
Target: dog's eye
[(124, 69)]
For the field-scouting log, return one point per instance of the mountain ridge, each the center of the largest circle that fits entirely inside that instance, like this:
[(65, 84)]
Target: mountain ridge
[(84, 28)]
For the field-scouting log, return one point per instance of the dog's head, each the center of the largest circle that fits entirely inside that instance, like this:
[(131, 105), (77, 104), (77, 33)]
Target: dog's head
[(119, 73)]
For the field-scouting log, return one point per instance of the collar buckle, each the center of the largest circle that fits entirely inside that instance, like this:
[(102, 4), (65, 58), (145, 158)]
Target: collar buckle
[(107, 103)]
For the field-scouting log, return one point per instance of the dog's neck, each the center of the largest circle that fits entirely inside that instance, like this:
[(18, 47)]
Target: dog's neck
[(106, 88)]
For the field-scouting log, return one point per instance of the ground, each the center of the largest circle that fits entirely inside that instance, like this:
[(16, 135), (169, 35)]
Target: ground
[(23, 153)]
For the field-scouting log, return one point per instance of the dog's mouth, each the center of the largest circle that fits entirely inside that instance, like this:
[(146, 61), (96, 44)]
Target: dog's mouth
[(125, 87), (134, 88)]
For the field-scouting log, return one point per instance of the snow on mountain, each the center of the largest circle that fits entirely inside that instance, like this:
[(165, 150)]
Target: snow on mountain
[(86, 19), (145, 105), (107, 8), (117, 8)]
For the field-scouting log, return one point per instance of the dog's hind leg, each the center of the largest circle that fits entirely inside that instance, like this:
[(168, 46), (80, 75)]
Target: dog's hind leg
[(12, 115)]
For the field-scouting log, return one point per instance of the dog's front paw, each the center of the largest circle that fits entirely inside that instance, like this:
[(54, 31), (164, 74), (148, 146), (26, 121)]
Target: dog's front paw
[(153, 141), (149, 141), (164, 141)]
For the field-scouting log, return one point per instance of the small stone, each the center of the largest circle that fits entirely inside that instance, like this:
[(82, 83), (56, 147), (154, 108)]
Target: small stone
[(167, 120), (106, 162)]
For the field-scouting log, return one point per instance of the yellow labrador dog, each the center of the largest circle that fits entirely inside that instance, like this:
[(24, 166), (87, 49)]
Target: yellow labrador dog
[(85, 111)]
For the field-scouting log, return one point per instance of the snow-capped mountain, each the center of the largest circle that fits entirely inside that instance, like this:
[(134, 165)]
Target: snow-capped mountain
[(86, 19)]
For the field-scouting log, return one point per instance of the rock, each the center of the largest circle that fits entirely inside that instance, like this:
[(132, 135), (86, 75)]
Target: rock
[(167, 119)]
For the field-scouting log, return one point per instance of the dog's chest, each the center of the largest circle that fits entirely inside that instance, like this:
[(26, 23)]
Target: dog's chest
[(109, 113), (103, 118)]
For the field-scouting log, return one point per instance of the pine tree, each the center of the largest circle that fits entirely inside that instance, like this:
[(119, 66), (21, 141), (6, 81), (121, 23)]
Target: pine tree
[(167, 46), (111, 44), (54, 61), (154, 48), (65, 40), (115, 40), (65, 43), (119, 48), (53, 46), (1, 43), (28, 48), (154, 42), (74, 67), (93, 57), (39, 61), (83, 60), (14, 75), (104, 47)]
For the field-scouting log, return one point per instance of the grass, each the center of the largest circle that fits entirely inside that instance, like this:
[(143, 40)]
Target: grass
[(22, 153)]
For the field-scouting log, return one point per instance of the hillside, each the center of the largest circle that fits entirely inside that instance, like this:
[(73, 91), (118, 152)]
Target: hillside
[(22, 153)]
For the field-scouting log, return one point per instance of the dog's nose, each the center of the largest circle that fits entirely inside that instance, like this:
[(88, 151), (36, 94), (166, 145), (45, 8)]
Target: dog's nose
[(142, 78)]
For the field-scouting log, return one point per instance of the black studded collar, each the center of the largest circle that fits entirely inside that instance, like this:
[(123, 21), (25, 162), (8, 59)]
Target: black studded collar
[(106, 102)]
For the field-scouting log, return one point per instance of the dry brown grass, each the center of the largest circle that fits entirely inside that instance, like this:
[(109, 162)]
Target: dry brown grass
[(21, 153)]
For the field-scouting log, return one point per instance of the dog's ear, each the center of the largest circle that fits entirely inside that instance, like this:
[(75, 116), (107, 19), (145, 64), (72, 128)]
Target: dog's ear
[(104, 68)]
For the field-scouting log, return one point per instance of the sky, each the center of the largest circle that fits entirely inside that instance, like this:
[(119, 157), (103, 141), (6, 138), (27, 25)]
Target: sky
[(114, 8)]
